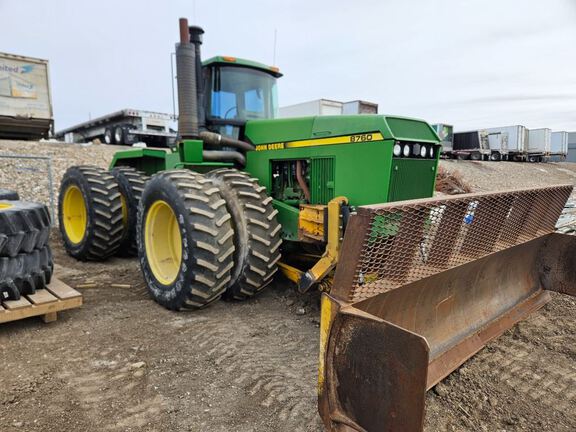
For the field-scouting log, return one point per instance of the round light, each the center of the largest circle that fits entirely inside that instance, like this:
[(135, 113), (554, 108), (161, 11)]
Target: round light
[(406, 150), (397, 150), (431, 151), (423, 151)]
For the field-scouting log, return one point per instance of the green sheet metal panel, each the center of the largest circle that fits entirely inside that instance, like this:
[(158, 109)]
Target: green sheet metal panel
[(412, 179)]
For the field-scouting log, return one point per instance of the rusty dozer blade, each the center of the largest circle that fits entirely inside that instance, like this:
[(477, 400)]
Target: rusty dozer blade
[(423, 285)]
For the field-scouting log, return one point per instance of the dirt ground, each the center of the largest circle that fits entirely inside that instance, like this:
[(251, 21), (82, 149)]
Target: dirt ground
[(123, 363)]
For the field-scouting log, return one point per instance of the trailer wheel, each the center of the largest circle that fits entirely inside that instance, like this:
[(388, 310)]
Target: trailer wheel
[(25, 273), (185, 240), (108, 136), (24, 226), (90, 213), (533, 159), (475, 156), (495, 157), (9, 195), (131, 185), (118, 135), (257, 232)]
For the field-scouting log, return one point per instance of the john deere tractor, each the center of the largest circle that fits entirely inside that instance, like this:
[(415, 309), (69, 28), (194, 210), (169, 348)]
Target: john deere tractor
[(241, 188), (411, 289)]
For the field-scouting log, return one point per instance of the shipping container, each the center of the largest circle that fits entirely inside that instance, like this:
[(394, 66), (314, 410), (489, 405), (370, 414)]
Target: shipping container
[(538, 144), (25, 100), (446, 133)]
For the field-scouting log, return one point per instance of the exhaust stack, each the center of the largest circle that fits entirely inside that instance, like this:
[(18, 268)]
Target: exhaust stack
[(188, 78)]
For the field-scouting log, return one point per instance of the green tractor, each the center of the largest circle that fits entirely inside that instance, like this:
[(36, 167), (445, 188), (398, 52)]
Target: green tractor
[(413, 286), (241, 188)]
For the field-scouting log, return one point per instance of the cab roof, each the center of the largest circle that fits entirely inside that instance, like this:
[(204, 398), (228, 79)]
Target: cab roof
[(235, 61)]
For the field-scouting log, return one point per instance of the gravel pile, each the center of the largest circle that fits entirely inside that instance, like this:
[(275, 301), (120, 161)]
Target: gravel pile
[(30, 177)]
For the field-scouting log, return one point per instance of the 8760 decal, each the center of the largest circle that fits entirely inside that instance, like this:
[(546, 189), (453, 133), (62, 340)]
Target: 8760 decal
[(361, 138)]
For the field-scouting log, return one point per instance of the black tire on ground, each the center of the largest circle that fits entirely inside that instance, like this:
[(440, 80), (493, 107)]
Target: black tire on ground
[(257, 232), (100, 236), (7, 194), (475, 156), (24, 226), (131, 185), (119, 135), (25, 273), (108, 136), (495, 157), (198, 223)]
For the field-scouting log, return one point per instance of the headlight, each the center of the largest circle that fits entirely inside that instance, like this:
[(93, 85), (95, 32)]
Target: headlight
[(406, 150), (431, 151), (397, 150), (423, 151)]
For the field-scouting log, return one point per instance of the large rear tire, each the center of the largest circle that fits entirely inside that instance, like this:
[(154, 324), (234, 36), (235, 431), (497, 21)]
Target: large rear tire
[(25, 273), (24, 226), (90, 213), (257, 232), (185, 240), (131, 185)]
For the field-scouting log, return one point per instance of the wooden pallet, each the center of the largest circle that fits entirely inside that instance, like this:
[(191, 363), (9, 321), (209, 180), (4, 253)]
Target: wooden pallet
[(45, 303)]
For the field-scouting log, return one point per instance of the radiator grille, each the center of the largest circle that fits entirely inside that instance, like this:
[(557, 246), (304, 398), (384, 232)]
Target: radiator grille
[(322, 180)]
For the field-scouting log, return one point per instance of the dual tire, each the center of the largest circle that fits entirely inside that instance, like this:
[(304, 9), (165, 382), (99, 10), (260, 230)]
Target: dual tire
[(198, 237), (98, 211)]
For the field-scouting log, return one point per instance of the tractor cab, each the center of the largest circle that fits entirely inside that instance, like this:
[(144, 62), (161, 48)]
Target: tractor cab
[(238, 90)]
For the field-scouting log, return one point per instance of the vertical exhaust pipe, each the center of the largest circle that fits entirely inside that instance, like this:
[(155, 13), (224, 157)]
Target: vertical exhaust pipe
[(187, 76)]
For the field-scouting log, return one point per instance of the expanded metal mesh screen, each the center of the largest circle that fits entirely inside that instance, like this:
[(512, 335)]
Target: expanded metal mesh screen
[(399, 243)]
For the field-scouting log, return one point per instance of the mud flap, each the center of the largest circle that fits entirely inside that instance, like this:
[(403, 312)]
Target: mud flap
[(408, 307)]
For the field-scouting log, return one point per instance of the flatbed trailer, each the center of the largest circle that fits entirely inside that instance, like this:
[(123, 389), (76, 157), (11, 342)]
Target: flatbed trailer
[(124, 127)]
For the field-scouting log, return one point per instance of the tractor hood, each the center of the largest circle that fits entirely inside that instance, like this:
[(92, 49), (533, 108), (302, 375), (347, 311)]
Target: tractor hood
[(319, 127)]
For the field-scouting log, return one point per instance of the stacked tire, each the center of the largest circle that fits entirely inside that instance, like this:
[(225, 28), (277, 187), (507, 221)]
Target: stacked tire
[(26, 263)]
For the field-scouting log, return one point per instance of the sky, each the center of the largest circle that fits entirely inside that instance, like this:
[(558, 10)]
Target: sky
[(470, 63)]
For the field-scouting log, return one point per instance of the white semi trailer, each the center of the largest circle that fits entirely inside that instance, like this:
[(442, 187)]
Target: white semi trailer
[(25, 100)]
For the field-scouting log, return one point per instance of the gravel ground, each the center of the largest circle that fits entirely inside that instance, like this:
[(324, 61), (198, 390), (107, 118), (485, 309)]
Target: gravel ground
[(123, 363), (30, 177)]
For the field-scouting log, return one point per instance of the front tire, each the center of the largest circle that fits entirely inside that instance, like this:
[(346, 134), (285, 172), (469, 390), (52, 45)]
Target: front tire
[(185, 240), (90, 213), (131, 184)]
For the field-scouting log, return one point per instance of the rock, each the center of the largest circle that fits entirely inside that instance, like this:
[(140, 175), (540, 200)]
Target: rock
[(300, 311), (289, 302), (18, 424), (137, 365)]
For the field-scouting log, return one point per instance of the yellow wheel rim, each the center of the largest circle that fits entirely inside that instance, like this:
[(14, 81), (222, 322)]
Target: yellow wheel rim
[(163, 242), (74, 214), (5, 206), (124, 210)]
